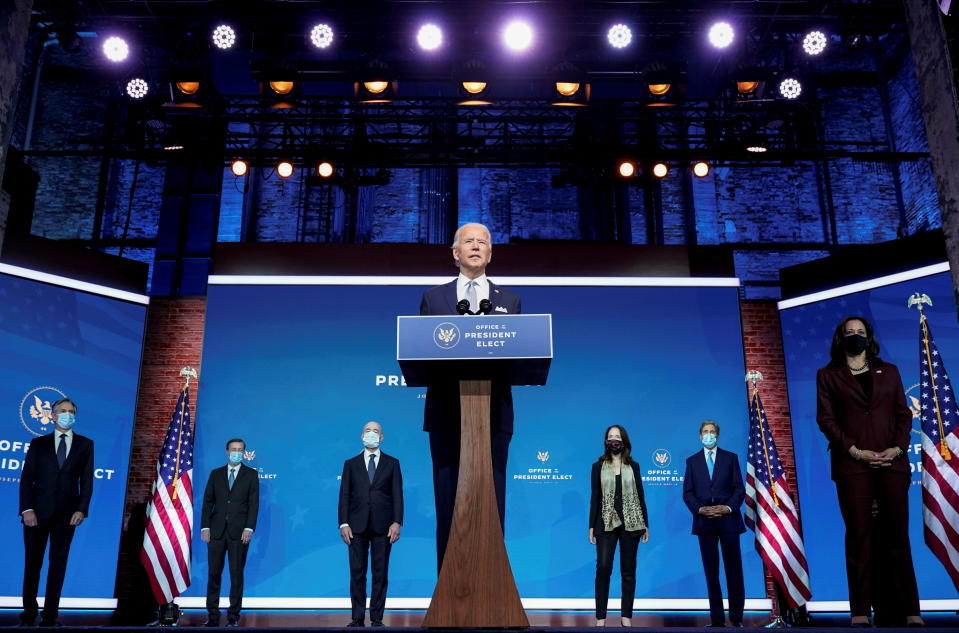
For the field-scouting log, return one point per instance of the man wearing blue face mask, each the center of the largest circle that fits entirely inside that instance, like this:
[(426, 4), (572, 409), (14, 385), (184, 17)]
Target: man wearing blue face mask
[(231, 502), (55, 490), (370, 515), (713, 491)]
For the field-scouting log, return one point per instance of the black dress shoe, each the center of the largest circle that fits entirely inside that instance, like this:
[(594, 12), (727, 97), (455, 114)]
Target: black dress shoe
[(376, 623), (861, 625), (356, 623), (52, 623), (233, 622), (212, 622)]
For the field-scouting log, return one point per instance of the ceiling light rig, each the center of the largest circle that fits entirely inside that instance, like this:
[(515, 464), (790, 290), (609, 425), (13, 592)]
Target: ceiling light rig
[(224, 37), (321, 35), (814, 43)]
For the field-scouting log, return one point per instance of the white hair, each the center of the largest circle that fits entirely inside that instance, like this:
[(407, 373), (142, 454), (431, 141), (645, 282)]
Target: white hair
[(456, 236)]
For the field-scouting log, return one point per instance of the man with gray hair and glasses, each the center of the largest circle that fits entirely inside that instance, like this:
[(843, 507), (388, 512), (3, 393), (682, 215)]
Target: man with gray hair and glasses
[(55, 490), (472, 251)]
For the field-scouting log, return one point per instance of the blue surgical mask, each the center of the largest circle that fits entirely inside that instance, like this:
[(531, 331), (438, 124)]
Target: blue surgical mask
[(236, 457), (66, 420), (709, 440), (371, 439)]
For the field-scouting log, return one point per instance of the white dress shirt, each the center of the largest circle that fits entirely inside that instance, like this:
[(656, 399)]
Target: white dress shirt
[(482, 291)]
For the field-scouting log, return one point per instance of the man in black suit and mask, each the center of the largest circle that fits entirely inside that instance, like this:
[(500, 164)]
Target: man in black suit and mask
[(472, 251), (55, 490), (370, 515), (231, 502)]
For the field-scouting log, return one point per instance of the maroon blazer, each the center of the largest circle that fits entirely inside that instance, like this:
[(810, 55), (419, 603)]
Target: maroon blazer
[(847, 418)]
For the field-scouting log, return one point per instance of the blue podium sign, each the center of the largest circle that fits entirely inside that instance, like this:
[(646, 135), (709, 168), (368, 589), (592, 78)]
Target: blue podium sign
[(516, 348)]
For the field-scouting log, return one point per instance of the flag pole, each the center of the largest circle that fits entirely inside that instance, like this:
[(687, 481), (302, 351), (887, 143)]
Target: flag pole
[(188, 373), (918, 299)]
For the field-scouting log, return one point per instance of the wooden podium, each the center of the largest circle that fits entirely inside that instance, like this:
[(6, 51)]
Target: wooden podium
[(476, 588)]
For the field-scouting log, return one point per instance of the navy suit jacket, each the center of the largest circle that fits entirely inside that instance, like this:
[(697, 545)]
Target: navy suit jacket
[(54, 492), (725, 488), (443, 400), (374, 505)]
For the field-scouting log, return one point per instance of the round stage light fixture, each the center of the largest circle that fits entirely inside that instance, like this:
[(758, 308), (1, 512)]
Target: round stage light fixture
[(321, 35), (324, 169), (376, 87), (701, 169), (429, 37), (137, 88), (790, 88), (747, 87), (224, 37), (282, 87), (188, 87), (239, 168), (721, 34), (284, 169), (518, 36), (658, 90), (474, 87), (567, 88), (814, 42), (116, 49), (619, 36), (757, 149), (626, 169), (660, 170)]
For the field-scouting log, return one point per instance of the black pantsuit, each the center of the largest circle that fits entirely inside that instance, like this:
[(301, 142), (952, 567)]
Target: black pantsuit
[(890, 489), (369, 546), (60, 534), (605, 550), (235, 552), (709, 546)]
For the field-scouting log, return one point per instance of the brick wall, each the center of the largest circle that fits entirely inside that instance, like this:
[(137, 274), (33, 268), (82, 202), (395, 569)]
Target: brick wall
[(762, 342)]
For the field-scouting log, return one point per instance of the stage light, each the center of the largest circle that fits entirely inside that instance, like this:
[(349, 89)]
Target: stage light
[(284, 169), (626, 169), (660, 170), (747, 87), (321, 35), (239, 168), (756, 149), (188, 87), (376, 87), (814, 43), (721, 34), (429, 37), (116, 49), (474, 87), (619, 36), (567, 88), (137, 88), (701, 169), (790, 88), (518, 36), (224, 37), (659, 89), (282, 87), (324, 169)]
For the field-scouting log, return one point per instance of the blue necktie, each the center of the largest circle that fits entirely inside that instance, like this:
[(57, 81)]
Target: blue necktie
[(371, 470), (709, 463), (232, 477), (62, 450), (471, 295)]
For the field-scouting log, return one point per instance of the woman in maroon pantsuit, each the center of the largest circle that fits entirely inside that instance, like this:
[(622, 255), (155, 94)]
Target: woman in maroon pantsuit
[(861, 409)]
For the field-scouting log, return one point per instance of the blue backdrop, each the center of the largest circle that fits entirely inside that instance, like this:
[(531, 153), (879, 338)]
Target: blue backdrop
[(298, 370), (807, 332), (55, 341)]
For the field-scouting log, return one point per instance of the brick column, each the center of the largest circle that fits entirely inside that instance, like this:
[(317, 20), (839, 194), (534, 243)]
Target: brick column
[(763, 345)]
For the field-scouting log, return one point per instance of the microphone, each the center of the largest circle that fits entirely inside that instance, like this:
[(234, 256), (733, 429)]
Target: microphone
[(463, 307), (485, 306)]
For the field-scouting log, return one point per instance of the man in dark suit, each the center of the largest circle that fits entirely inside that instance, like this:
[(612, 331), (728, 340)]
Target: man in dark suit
[(231, 502), (472, 251), (713, 491), (55, 490), (370, 516)]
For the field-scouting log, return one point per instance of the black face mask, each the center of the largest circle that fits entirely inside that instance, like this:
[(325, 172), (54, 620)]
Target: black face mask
[(854, 344), (614, 446)]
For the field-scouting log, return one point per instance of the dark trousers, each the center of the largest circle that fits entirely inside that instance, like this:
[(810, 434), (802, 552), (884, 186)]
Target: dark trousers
[(605, 550), (709, 546), (365, 547), (60, 534), (445, 451), (235, 551), (891, 492)]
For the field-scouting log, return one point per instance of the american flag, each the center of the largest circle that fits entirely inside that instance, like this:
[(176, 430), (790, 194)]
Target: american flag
[(940, 455), (169, 531), (770, 511)]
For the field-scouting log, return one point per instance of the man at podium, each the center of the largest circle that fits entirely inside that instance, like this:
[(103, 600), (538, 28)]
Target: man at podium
[(470, 293)]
